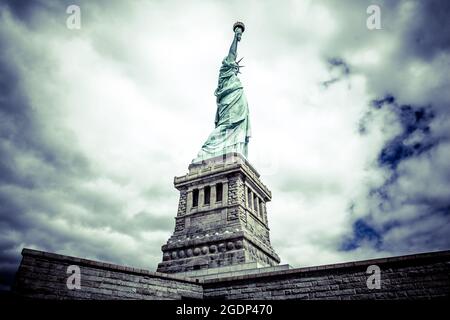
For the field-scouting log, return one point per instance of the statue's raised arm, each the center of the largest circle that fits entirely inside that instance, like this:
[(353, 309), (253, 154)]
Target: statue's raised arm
[(238, 29)]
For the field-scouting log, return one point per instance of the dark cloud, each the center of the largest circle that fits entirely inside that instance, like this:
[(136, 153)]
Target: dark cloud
[(24, 9), (428, 35), (413, 120), (415, 144), (33, 14), (404, 157), (362, 232), (409, 211), (340, 69), (37, 158)]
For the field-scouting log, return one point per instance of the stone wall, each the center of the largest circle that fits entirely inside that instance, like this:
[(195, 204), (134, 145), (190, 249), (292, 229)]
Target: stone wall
[(182, 203), (419, 276), (44, 275)]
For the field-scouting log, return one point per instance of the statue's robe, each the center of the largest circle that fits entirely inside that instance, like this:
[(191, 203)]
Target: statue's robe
[(232, 123)]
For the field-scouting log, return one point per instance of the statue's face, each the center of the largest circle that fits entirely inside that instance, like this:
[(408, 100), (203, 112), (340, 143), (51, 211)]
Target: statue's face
[(238, 34)]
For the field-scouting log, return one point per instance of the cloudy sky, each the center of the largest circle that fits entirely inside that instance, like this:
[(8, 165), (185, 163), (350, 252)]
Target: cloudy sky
[(351, 126)]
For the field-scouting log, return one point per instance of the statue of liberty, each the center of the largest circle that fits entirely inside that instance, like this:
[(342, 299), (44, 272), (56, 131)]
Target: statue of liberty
[(232, 124)]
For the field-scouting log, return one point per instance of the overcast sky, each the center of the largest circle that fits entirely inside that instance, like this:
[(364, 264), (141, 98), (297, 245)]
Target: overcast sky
[(350, 126)]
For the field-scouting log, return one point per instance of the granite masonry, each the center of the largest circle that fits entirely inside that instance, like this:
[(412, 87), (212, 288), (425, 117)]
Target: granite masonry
[(44, 275), (221, 218)]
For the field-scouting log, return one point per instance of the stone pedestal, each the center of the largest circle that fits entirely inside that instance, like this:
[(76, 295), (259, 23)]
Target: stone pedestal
[(221, 219)]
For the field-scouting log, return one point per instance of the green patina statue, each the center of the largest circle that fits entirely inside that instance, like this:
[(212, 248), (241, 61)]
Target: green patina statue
[(232, 124)]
